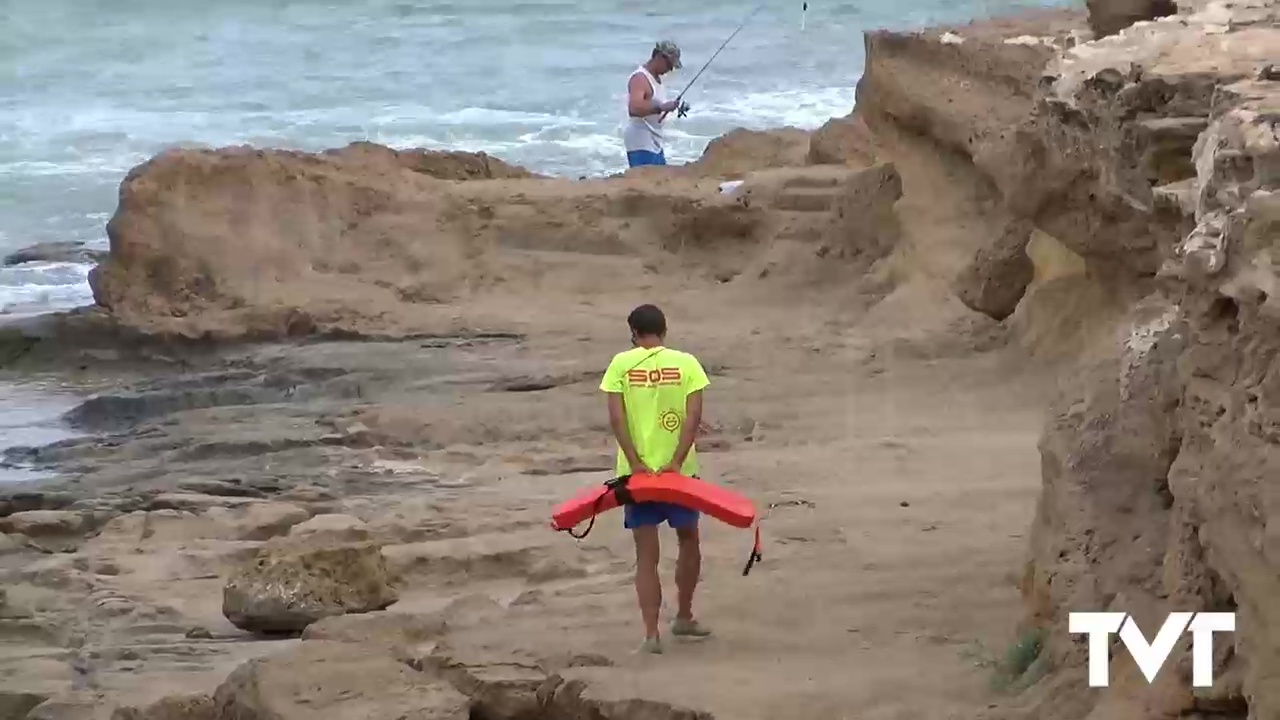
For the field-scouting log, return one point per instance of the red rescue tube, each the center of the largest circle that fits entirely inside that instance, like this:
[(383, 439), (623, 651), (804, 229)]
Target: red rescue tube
[(720, 503)]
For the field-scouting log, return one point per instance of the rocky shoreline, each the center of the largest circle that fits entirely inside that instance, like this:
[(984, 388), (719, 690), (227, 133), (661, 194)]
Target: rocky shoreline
[(332, 397)]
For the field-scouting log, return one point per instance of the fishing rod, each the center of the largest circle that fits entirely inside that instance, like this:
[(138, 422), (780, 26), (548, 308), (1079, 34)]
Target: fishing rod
[(682, 108)]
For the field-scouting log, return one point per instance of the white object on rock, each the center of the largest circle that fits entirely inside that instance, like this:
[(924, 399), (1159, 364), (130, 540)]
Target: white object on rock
[(729, 186)]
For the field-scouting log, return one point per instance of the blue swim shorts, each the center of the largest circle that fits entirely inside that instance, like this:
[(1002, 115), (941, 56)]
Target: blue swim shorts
[(656, 513), (636, 158)]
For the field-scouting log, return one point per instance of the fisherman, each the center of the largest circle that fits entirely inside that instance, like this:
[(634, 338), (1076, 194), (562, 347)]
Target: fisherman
[(647, 106), (655, 408)]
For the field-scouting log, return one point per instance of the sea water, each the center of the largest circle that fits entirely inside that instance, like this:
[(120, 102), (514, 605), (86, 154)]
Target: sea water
[(30, 416), (91, 88)]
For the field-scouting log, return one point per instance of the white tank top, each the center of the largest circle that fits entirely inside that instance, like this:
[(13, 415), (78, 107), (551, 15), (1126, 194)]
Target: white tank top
[(645, 133)]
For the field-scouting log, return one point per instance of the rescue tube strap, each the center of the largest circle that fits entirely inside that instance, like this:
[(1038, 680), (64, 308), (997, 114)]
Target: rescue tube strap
[(756, 555), (619, 488)]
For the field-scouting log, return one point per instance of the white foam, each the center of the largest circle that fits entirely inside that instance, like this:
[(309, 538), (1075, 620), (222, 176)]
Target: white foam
[(41, 286), (112, 165), (1029, 40), (481, 116), (803, 108)]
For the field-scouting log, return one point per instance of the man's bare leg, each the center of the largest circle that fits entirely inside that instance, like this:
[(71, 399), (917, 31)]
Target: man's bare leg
[(648, 586), (688, 568)]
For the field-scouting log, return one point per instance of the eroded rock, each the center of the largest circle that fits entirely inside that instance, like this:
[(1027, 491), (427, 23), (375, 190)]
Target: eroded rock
[(260, 521), (10, 543), (572, 699), (868, 225), (972, 92), (62, 251), (842, 141), (842, 212), (16, 705), (195, 502), (15, 502), (1112, 440), (996, 280), (502, 686), (1157, 472), (47, 523), (440, 164), (52, 530), (338, 680), (515, 685), (227, 488), (333, 525), (294, 582), (350, 260), (175, 707), (78, 705), (741, 151), (400, 631)]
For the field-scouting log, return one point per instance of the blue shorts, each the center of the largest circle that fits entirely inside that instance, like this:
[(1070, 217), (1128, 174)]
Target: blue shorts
[(635, 158), (655, 513)]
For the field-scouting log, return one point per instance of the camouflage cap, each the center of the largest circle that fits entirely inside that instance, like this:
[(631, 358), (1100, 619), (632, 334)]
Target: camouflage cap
[(671, 50)]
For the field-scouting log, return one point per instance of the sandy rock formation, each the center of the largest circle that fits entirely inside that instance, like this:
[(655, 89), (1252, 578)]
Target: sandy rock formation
[(840, 141), (199, 502), (400, 632), (174, 707), (295, 582), (969, 93), (440, 164), (1148, 158), (845, 140), (846, 211), (332, 525), (80, 705), (22, 500), (16, 705), (1159, 466), (504, 685), (359, 210), (11, 542), (347, 681), (969, 89), (58, 251), (45, 523), (51, 530), (354, 242), (741, 151), (356, 680), (994, 283), (169, 263)]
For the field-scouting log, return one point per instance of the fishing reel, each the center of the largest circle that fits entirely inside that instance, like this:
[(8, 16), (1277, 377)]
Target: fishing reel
[(682, 109)]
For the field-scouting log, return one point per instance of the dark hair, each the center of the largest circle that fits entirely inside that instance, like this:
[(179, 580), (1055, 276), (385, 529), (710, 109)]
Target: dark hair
[(647, 320)]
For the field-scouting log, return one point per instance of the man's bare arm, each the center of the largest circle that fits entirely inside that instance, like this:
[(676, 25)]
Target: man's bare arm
[(692, 419), (618, 422), (639, 97)]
